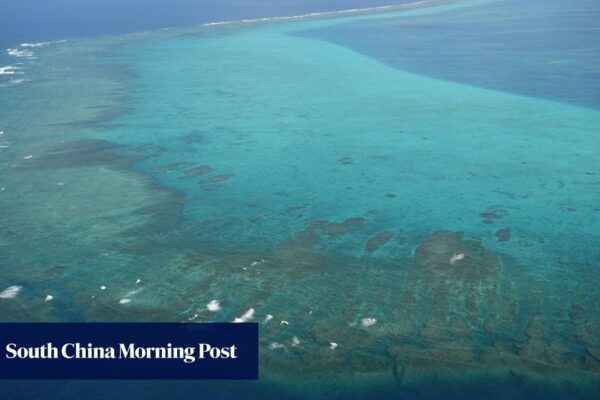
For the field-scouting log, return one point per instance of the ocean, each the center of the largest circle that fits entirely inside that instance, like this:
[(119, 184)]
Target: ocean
[(39, 21), (416, 183)]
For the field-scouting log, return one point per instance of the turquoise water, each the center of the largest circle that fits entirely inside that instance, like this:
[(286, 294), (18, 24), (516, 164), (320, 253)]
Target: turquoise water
[(443, 233)]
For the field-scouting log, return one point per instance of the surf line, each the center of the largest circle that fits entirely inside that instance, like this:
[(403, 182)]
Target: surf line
[(328, 14)]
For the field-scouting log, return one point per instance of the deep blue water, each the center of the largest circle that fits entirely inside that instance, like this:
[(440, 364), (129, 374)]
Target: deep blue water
[(538, 48), (40, 20)]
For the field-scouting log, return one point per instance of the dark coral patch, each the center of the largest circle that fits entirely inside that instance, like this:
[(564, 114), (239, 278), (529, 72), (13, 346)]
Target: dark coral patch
[(196, 136), (345, 160), (176, 166), (449, 254), (294, 208), (377, 241), (196, 171), (316, 230), (212, 186), (214, 183), (503, 235), (80, 153), (494, 214), (217, 179)]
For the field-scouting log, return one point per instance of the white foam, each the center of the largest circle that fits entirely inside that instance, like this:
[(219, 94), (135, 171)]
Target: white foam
[(248, 315), (19, 53), (41, 44), (28, 157), (456, 257), (295, 341), (268, 318), (127, 298), (49, 298), (133, 293), (323, 14), (138, 281), (9, 70), (216, 23), (276, 346), (16, 81), (366, 322), (10, 292), (214, 306)]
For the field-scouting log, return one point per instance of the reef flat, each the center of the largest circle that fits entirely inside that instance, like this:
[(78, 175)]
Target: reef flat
[(394, 232)]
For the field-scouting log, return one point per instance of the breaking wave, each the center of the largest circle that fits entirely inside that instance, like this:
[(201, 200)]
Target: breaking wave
[(326, 13)]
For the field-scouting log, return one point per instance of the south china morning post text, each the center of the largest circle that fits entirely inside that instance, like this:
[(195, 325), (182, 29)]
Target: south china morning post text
[(128, 351), (70, 351)]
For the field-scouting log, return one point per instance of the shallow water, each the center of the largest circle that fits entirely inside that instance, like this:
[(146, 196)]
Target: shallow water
[(267, 167)]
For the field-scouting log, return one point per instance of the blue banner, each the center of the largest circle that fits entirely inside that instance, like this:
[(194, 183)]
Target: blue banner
[(128, 351)]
